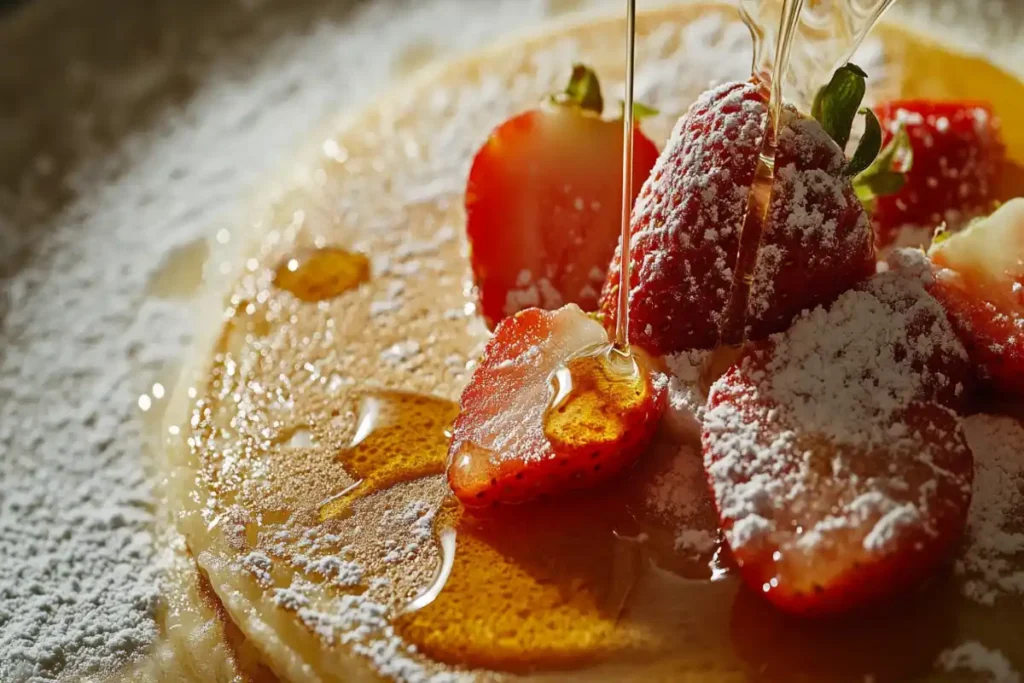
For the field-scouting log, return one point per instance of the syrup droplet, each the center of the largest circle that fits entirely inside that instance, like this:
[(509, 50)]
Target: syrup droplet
[(322, 273), (400, 436), (592, 393), (181, 272)]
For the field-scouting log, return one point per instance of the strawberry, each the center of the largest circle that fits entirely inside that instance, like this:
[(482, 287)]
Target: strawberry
[(839, 470), (519, 437), (958, 159), (694, 254), (544, 202), (980, 282)]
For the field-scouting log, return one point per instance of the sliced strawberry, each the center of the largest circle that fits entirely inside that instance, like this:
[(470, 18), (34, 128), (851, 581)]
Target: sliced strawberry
[(688, 258), (507, 444), (958, 158), (981, 285), (543, 203), (839, 472)]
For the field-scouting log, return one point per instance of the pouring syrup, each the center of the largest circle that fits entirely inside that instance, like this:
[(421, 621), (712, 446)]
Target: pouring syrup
[(594, 386), (824, 35)]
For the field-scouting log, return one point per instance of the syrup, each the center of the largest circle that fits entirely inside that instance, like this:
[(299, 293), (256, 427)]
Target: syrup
[(597, 385), (400, 436), (321, 273), (592, 392), (517, 599), (825, 34)]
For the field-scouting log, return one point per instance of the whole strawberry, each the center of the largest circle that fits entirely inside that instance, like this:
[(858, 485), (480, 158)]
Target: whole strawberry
[(958, 160), (543, 202), (712, 263)]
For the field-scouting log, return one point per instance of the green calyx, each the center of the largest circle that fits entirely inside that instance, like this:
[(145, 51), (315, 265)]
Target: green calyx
[(583, 91), (640, 111), (887, 174), (876, 172)]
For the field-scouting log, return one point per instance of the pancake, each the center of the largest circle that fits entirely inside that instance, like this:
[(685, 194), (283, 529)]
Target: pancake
[(308, 429)]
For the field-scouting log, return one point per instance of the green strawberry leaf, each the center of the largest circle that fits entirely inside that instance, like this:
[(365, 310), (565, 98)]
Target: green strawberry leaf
[(836, 105), (583, 90), (641, 111), (888, 172), (868, 147)]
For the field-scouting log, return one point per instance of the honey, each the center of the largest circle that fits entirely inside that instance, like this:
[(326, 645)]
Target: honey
[(400, 436), (553, 585), (321, 273), (593, 395)]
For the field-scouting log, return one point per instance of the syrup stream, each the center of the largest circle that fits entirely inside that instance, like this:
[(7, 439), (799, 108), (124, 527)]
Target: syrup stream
[(622, 322), (759, 199)]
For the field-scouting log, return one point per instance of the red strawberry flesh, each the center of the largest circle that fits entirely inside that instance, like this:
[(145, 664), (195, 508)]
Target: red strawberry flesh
[(686, 285), (980, 282), (506, 447), (959, 158), (543, 208)]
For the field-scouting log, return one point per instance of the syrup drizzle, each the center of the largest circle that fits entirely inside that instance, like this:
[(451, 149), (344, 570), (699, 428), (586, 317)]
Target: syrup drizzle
[(622, 322), (400, 436), (829, 33)]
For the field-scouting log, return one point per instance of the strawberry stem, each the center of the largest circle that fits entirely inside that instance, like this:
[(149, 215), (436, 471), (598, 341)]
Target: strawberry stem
[(887, 174), (836, 105), (868, 147), (583, 90)]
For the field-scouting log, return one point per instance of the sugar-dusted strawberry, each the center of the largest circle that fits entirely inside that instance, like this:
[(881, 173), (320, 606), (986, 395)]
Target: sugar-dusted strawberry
[(544, 202), (958, 159), (839, 471), (693, 249), (521, 435), (980, 282)]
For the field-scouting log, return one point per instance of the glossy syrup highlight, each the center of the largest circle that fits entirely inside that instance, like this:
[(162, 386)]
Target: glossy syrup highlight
[(596, 385), (321, 273), (399, 436)]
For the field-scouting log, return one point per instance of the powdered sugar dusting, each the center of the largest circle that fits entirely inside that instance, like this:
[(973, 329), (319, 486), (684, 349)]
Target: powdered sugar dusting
[(842, 378), (990, 562), (687, 219), (974, 657)]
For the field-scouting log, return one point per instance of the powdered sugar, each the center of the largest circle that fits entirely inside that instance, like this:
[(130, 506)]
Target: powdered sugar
[(843, 377), (991, 561), (974, 657), (686, 398)]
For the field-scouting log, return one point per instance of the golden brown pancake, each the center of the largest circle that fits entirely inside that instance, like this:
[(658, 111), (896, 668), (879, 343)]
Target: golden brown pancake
[(307, 470)]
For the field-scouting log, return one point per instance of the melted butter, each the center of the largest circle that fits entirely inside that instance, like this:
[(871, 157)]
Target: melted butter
[(400, 436), (321, 273)]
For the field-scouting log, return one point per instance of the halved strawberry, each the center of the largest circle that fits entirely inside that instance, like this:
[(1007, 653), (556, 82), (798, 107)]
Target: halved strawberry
[(839, 472), (981, 285), (521, 434), (692, 252), (544, 202), (958, 158)]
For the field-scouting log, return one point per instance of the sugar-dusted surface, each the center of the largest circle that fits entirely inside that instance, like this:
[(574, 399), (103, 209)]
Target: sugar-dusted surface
[(991, 562), (827, 448)]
